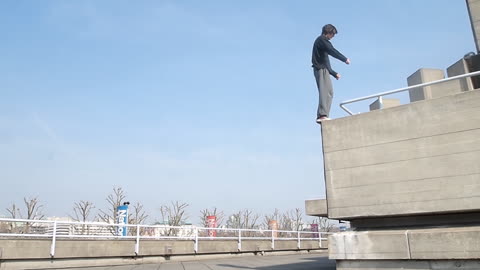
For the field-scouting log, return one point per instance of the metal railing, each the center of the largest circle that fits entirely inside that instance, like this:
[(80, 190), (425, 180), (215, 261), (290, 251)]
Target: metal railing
[(25, 228), (380, 95)]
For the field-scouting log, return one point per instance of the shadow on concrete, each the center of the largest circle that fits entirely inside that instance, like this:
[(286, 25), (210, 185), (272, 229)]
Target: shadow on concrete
[(318, 263)]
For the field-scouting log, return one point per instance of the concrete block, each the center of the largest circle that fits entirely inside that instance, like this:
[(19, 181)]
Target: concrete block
[(217, 246), (21, 249), (286, 244), (456, 243), (386, 103), (424, 75), (474, 12), (316, 207), (409, 265), (406, 160), (445, 243), (459, 68), (156, 247), (368, 245), (256, 245), (312, 244), (420, 76)]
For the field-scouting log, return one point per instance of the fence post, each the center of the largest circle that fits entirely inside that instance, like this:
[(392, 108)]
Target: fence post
[(195, 246), (320, 239), (273, 239), (137, 242), (239, 240), (298, 239), (54, 238)]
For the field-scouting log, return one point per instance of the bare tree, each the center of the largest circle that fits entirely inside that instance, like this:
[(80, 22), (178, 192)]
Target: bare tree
[(269, 218), (34, 208), (175, 214), (243, 219), (34, 212), (138, 215), (82, 210), (211, 212), (292, 220), (324, 224), (14, 211), (114, 200)]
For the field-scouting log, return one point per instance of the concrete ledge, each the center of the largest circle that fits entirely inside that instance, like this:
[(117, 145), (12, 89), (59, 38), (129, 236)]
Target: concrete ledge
[(405, 160), (21, 249), (115, 261), (316, 207), (417, 244), (410, 265)]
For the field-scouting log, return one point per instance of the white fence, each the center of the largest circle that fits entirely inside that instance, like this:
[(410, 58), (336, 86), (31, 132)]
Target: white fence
[(24, 228)]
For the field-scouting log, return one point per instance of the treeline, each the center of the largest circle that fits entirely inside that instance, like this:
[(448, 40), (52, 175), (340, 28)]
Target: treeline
[(173, 214)]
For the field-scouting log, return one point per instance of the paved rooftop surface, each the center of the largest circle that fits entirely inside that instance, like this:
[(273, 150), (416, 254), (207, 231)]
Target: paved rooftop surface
[(279, 262)]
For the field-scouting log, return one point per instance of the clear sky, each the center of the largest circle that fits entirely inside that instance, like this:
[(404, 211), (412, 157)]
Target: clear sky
[(212, 103)]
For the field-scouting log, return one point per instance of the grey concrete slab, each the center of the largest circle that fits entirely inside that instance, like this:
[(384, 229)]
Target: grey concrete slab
[(458, 68), (386, 103), (455, 243), (316, 207), (415, 159), (409, 265), (283, 262)]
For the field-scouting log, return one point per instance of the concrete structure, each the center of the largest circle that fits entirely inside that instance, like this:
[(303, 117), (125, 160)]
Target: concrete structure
[(408, 180), (87, 252), (398, 161), (316, 207), (386, 103), (474, 13), (424, 75), (459, 68)]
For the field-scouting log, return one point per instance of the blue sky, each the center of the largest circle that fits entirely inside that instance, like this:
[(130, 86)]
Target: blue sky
[(208, 102)]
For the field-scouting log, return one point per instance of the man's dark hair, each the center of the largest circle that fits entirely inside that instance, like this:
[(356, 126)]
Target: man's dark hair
[(329, 29)]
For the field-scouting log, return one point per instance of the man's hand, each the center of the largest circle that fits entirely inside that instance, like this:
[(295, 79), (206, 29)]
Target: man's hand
[(338, 76), (348, 61)]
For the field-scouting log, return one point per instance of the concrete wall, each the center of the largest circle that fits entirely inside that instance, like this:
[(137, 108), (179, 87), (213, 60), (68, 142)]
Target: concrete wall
[(424, 75), (18, 249), (408, 265), (416, 244), (419, 158), (474, 12)]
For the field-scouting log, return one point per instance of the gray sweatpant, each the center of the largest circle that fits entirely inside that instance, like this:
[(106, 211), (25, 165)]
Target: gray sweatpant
[(325, 91)]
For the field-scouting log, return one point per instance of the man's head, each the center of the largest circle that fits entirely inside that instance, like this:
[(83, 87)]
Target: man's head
[(329, 31)]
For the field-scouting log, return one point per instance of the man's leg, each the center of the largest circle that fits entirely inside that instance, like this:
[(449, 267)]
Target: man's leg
[(325, 92)]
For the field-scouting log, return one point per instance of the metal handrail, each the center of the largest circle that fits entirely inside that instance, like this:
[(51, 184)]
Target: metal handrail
[(380, 95)]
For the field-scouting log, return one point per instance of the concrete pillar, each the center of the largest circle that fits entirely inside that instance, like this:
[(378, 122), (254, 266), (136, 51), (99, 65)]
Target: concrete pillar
[(386, 103), (423, 75), (474, 13), (459, 68)]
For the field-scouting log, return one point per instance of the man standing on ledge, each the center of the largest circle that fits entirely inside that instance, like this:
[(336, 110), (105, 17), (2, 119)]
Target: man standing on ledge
[(321, 69)]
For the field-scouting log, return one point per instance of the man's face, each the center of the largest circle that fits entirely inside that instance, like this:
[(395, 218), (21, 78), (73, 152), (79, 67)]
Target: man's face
[(329, 36)]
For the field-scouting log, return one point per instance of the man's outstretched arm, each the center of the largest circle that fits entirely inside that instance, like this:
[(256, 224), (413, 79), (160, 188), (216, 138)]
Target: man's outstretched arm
[(334, 53)]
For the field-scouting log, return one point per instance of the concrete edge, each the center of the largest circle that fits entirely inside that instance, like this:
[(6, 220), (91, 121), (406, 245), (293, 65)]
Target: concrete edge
[(119, 261)]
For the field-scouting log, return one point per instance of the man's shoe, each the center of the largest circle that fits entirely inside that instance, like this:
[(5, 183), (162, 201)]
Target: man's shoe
[(323, 118)]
